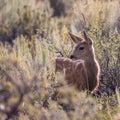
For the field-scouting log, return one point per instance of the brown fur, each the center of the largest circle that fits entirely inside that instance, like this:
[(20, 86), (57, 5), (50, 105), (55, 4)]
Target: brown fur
[(90, 72)]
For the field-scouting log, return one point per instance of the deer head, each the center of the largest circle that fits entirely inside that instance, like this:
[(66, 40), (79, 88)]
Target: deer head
[(84, 46)]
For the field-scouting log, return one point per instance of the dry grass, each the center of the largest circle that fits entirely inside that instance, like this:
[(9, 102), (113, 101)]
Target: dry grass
[(27, 64)]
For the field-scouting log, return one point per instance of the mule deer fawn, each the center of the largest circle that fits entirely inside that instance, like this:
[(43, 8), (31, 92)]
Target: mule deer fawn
[(84, 51)]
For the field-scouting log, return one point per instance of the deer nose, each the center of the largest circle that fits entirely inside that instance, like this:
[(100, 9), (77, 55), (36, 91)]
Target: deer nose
[(71, 56)]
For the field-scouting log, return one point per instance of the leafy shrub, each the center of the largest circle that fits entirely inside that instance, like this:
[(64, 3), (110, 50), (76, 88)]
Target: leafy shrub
[(22, 19), (29, 63)]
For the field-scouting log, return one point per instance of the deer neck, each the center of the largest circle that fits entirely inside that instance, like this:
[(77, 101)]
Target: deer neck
[(92, 70), (91, 64)]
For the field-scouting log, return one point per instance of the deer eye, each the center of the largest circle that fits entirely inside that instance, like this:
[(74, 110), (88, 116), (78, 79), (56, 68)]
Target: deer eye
[(81, 48)]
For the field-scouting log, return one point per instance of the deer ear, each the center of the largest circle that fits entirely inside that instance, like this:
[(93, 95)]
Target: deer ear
[(87, 39), (75, 38)]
